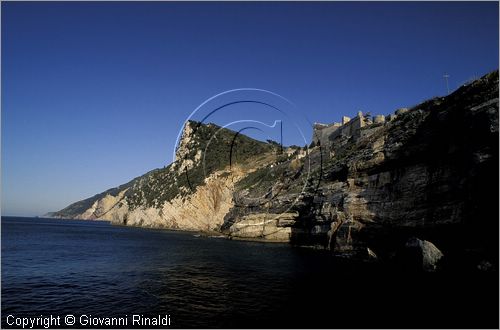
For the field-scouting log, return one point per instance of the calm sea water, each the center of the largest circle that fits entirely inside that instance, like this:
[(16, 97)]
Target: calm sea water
[(63, 267)]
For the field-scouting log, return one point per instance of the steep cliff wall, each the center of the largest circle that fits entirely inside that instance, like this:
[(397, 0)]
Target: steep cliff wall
[(192, 193), (430, 171)]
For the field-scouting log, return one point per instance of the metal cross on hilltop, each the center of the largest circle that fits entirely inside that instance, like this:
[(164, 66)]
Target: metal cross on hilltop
[(446, 76)]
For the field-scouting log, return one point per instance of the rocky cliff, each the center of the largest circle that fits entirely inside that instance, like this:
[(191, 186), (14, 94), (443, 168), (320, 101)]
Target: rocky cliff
[(192, 193), (430, 171)]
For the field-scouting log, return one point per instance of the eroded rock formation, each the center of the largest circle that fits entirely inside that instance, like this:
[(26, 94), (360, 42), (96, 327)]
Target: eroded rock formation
[(430, 171)]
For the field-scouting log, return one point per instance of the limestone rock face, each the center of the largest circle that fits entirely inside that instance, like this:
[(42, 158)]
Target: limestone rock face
[(430, 171), (195, 192), (187, 143), (268, 226)]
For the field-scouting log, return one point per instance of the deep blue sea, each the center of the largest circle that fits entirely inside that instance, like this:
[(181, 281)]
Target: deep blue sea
[(61, 267)]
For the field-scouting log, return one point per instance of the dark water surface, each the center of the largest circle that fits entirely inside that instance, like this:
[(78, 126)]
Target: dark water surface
[(75, 267)]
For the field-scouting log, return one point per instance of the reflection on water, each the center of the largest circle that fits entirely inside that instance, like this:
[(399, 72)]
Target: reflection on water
[(74, 267)]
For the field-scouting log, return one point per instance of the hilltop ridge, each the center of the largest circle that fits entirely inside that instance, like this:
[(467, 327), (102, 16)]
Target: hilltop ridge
[(364, 186)]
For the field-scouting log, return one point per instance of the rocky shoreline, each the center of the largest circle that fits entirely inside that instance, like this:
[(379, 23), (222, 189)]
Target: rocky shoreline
[(420, 183)]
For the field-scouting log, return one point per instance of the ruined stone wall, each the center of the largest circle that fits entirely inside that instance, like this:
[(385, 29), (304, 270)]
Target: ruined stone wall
[(351, 128), (326, 134), (321, 133)]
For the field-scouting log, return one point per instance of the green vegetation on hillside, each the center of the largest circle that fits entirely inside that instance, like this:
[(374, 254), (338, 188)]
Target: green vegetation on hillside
[(220, 148)]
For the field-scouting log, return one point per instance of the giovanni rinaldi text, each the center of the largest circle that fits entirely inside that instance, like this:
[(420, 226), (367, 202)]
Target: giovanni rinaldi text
[(48, 321)]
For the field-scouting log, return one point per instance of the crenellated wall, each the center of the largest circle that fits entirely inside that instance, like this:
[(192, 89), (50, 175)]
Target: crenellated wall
[(325, 134)]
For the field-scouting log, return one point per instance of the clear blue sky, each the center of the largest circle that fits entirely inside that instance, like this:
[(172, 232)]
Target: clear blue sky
[(94, 94)]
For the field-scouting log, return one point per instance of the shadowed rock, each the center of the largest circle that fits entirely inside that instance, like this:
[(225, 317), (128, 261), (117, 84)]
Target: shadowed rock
[(421, 254)]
